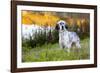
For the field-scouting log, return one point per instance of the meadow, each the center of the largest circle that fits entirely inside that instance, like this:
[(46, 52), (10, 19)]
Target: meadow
[(52, 52), (42, 39)]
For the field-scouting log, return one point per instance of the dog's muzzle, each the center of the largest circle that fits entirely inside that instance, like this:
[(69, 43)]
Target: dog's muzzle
[(62, 27)]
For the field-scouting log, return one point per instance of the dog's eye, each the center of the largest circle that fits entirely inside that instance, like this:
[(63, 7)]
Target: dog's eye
[(61, 23)]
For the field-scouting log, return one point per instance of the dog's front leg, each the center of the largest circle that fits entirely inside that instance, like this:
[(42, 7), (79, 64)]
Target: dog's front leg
[(68, 47), (61, 45)]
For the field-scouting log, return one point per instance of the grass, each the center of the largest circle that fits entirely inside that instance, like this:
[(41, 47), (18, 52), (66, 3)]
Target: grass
[(52, 52)]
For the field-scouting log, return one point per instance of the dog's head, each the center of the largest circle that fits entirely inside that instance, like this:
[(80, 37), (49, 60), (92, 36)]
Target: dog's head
[(61, 25)]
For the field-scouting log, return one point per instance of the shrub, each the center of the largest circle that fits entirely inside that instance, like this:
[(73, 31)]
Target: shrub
[(41, 38)]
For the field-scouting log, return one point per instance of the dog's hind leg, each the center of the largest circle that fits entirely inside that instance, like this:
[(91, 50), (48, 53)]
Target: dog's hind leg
[(69, 48), (78, 44), (78, 50)]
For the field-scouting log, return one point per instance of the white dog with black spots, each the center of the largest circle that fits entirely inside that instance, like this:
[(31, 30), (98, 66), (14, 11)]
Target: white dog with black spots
[(66, 38)]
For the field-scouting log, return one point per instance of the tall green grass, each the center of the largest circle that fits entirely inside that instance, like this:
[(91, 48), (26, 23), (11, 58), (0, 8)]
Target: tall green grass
[(52, 52)]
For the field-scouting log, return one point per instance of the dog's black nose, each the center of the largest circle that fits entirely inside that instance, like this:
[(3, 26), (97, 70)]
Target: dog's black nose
[(62, 27)]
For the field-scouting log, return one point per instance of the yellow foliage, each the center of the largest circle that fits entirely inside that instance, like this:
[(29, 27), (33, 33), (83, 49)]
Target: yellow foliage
[(78, 21), (37, 18), (48, 19)]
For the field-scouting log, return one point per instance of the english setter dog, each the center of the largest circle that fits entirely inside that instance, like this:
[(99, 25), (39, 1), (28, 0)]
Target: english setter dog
[(66, 38)]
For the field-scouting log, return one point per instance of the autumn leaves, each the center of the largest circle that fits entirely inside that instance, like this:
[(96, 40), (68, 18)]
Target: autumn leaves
[(39, 18), (45, 19)]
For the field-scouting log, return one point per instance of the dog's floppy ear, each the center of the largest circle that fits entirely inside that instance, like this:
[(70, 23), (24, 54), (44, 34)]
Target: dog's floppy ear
[(57, 27), (66, 26)]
